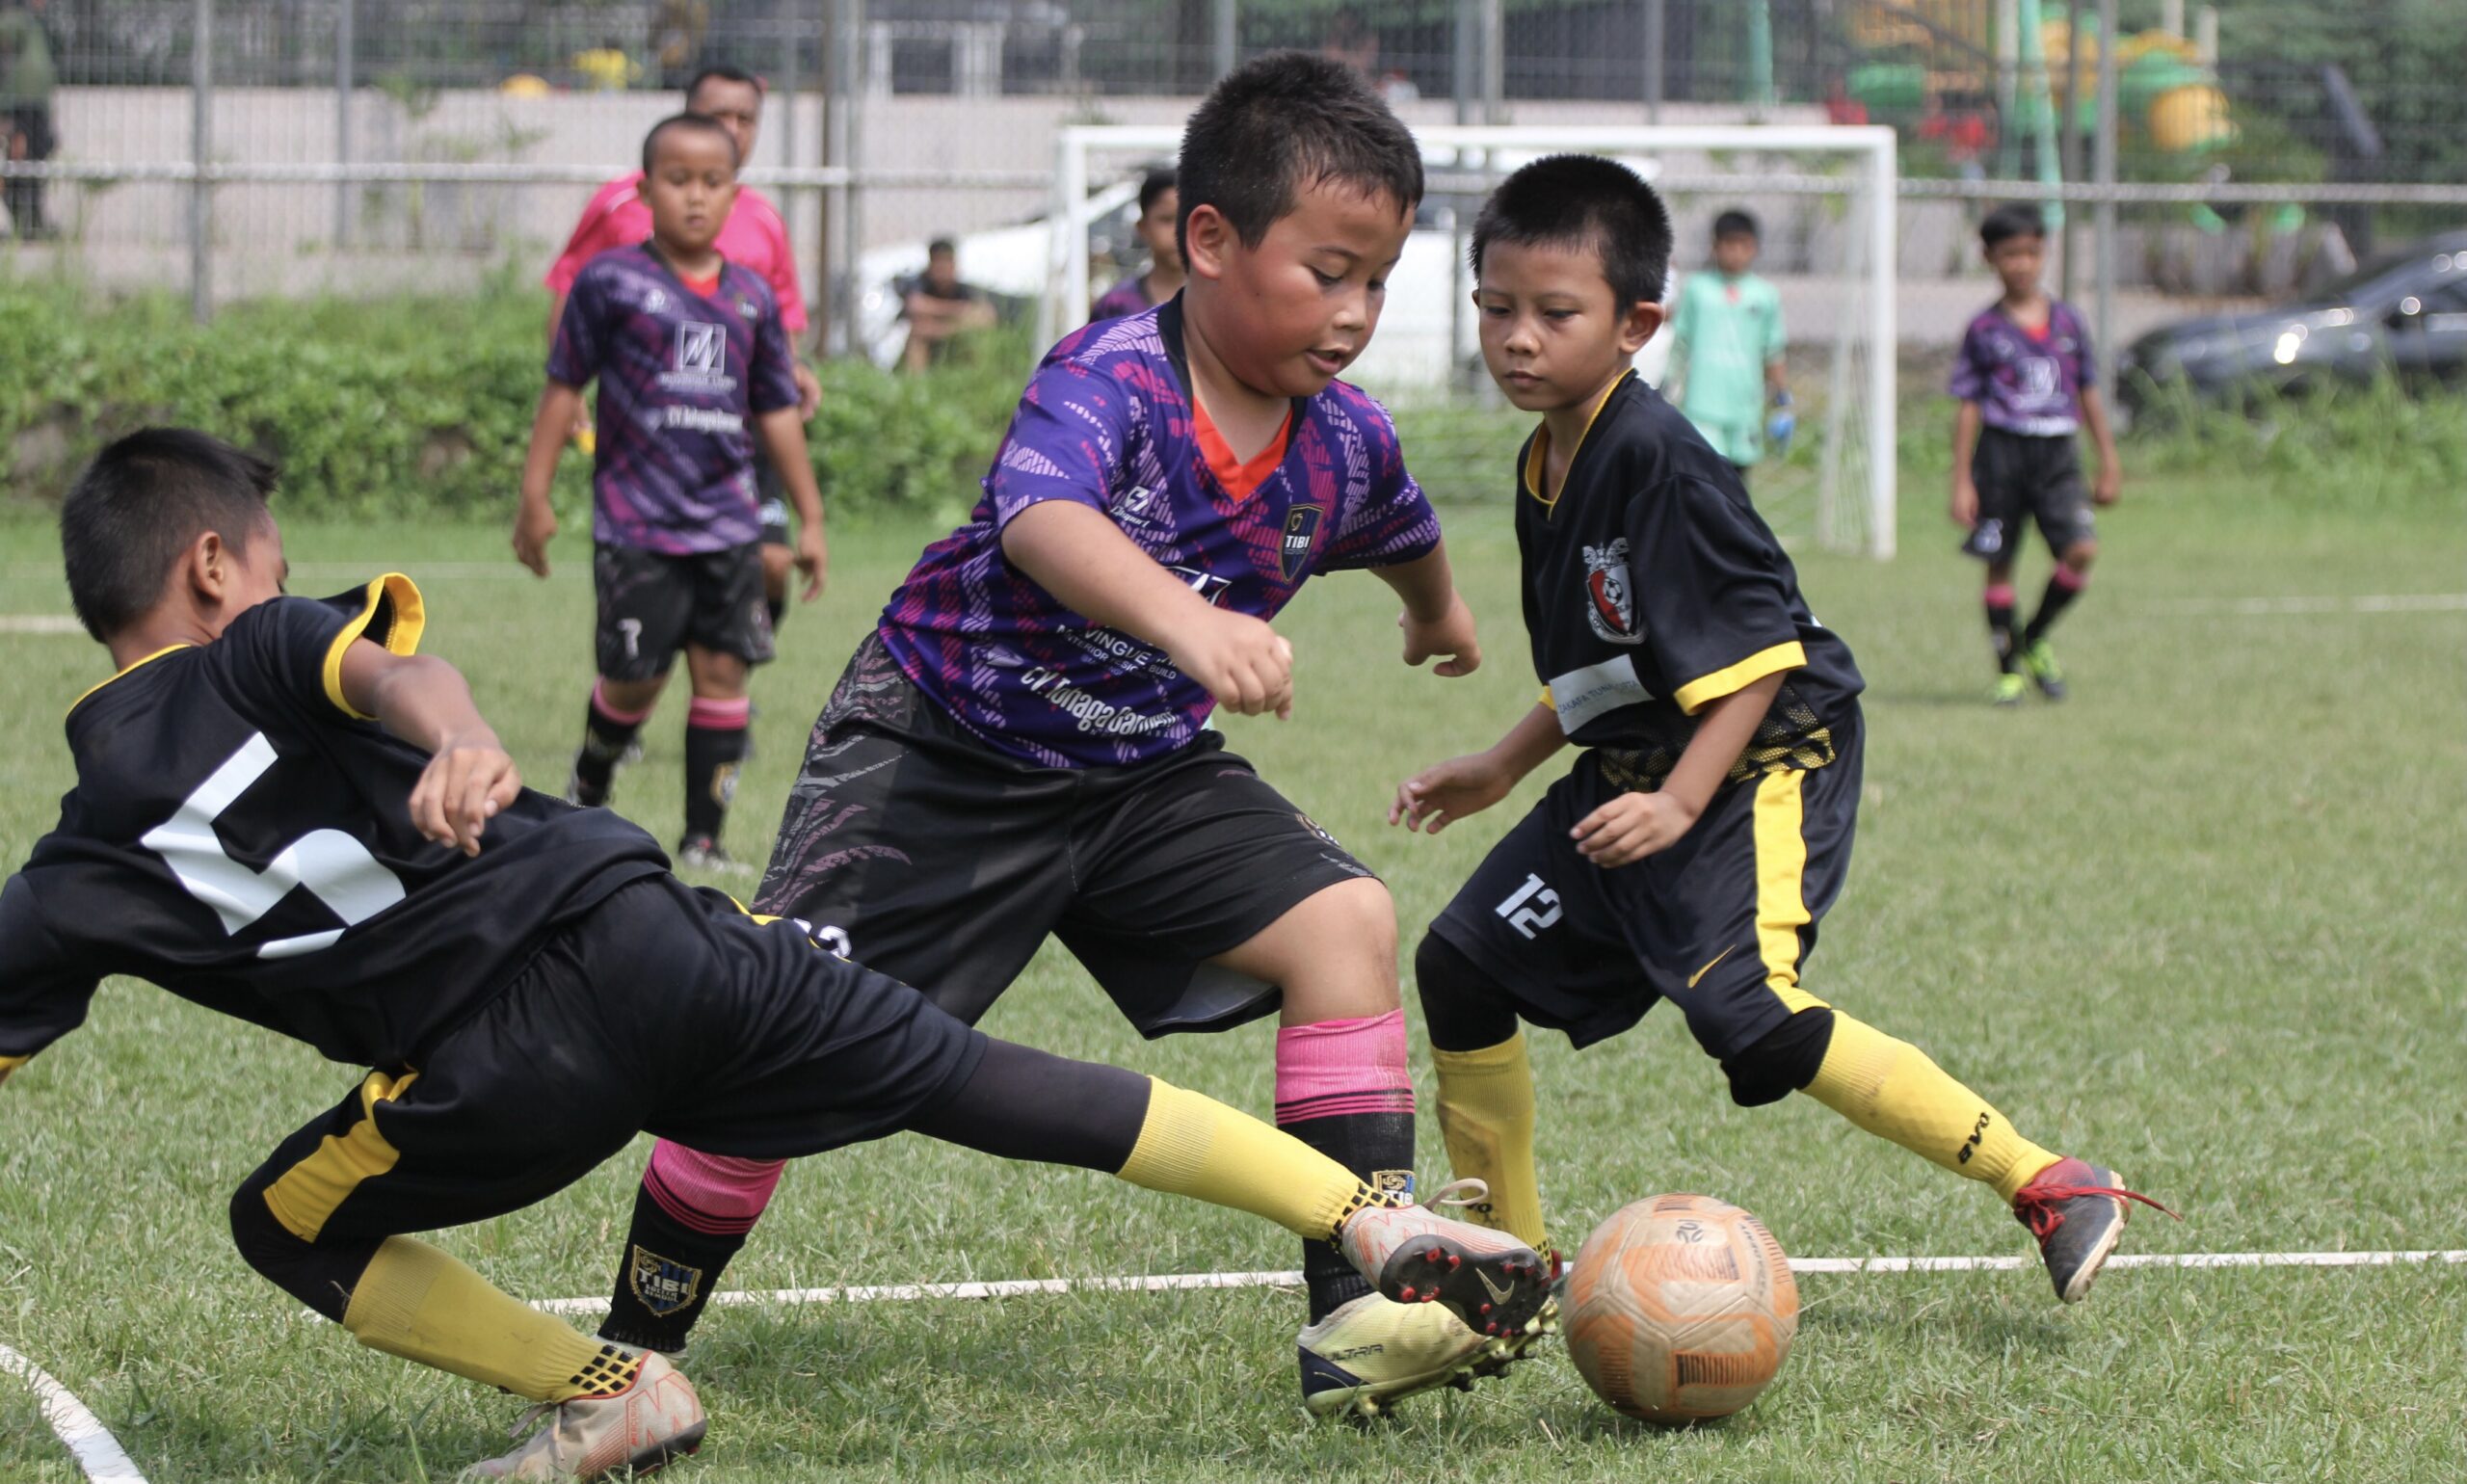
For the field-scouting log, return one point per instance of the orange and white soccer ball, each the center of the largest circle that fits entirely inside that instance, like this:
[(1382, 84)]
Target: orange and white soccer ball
[(1680, 1308)]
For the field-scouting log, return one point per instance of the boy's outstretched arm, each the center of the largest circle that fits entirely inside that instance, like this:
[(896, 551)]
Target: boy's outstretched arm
[(1635, 824), (2094, 417), (783, 432), (1435, 619), (535, 521), (1965, 505), (1444, 793), (426, 703), (1078, 554)]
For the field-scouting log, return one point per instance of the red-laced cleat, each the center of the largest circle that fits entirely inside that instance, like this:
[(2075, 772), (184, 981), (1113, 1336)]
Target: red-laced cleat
[(2077, 1212)]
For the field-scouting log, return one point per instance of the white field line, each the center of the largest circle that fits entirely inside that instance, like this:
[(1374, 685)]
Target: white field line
[(1176, 1282), (40, 624), (96, 1451), (2264, 607)]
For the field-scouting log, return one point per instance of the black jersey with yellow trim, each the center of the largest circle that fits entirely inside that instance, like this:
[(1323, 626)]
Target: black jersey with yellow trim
[(1652, 588), (241, 837)]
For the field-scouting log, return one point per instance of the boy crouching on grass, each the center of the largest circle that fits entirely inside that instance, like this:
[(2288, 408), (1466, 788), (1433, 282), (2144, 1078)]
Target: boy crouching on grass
[(285, 813), (693, 366), (1691, 851)]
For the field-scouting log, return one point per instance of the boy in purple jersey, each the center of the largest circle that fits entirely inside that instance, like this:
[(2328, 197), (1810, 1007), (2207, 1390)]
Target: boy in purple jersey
[(2024, 373), (688, 347), (1018, 750), (1159, 216)]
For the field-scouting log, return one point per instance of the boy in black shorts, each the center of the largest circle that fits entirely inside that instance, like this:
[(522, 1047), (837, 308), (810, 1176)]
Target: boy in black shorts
[(1017, 751), (284, 813), (2027, 385), (693, 366), (1705, 829)]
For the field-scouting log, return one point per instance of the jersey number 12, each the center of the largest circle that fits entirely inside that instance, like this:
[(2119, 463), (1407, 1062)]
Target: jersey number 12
[(336, 869)]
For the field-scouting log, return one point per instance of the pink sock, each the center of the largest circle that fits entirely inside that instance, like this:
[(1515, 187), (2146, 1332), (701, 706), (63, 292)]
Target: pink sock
[(715, 1194), (2000, 595), (600, 704), (1333, 1068), (720, 715), (2069, 580)]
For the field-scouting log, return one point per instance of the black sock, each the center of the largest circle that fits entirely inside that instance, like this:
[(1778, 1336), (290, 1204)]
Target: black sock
[(2059, 595), (779, 609), (670, 1268), (1379, 1147), (2000, 626), (713, 755), (604, 740)]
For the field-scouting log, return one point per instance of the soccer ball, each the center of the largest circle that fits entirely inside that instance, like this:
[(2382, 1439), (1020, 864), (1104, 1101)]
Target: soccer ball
[(1680, 1308)]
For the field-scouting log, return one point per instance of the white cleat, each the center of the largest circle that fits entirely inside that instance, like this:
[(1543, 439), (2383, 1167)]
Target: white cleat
[(639, 1430), (1413, 1255)]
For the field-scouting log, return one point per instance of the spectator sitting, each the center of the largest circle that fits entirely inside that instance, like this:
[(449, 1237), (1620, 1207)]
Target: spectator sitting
[(938, 307)]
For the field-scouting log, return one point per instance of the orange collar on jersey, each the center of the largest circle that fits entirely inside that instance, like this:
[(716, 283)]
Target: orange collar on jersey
[(1239, 476)]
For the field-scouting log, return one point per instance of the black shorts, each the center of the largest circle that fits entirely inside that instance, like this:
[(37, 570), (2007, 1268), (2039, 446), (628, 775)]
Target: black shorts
[(666, 1009), (652, 605), (2019, 477), (1720, 924), (925, 854)]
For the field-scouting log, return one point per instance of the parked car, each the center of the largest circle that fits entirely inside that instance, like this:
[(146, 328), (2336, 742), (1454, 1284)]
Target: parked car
[(2405, 313)]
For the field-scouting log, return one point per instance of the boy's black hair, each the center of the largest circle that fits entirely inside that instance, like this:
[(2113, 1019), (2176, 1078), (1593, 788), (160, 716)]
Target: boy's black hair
[(1161, 180), (941, 246), (1280, 125), (1583, 200), (2005, 223), (702, 122), (138, 506), (1735, 223), (726, 74)]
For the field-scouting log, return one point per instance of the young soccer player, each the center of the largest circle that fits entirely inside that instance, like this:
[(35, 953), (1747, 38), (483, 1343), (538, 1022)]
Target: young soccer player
[(2027, 385), (1159, 217), (1726, 347), (752, 235), (692, 368), (1693, 848), (1017, 751), (284, 813)]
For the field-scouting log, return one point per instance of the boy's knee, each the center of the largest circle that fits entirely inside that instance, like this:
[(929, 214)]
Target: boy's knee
[(1784, 1060), (1463, 1009), (319, 1275), (2079, 556)]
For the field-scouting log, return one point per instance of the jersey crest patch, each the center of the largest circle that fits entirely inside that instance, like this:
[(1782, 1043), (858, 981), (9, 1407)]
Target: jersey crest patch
[(664, 1285), (1609, 606), (1301, 529)]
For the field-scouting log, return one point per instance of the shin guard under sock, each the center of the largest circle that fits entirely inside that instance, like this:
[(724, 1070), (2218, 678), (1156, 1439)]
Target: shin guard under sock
[(2064, 586), (714, 748), (1486, 1114), (416, 1302), (691, 1215), (1890, 1089), (606, 733), (2000, 623), (1343, 1087)]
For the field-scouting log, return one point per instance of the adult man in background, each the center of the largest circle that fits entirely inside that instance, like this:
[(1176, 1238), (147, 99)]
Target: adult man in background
[(26, 81)]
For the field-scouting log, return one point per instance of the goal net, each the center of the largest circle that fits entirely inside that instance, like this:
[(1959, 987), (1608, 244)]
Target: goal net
[(1822, 197)]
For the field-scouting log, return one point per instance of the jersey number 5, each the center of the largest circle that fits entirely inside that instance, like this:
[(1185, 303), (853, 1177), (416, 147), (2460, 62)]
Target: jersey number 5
[(336, 869)]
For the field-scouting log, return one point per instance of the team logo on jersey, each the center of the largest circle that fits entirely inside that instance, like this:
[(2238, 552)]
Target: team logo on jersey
[(702, 350), (1301, 529), (664, 1285), (655, 299), (2040, 376), (1133, 508), (1609, 606)]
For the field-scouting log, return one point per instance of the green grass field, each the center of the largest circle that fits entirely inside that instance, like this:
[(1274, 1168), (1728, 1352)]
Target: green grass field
[(2204, 922)]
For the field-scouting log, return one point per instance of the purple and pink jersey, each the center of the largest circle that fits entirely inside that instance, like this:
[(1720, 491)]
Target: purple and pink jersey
[(682, 368), (2024, 382), (1108, 422), (1125, 299)]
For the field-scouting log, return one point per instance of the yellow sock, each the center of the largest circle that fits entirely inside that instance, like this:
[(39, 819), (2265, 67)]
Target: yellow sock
[(1486, 1113), (1891, 1090), (1195, 1146), (422, 1304)]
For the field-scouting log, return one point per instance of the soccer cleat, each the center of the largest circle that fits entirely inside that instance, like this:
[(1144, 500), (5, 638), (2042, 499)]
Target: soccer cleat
[(703, 853), (2009, 690), (1371, 1352), (2077, 1211), (655, 1419), (2038, 657), (582, 795), (1494, 1283)]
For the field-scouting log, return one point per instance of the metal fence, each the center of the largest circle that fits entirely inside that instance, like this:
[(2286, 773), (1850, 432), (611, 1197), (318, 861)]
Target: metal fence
[(234, 148)]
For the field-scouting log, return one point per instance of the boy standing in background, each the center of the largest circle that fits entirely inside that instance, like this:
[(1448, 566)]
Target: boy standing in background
[(2027, 385), (1727, 337), (1159, 214)]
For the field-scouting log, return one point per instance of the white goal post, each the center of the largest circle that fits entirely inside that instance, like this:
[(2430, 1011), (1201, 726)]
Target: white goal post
[(1852, 408)]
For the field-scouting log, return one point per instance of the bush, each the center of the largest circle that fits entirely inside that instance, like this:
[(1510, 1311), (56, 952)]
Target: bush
[(422, 407)]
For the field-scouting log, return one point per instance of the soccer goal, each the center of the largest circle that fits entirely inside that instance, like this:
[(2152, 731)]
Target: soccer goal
[(1823, 199)]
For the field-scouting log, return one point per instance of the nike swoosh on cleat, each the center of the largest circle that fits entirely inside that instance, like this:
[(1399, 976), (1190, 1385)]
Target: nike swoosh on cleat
[(1499, 1295), (1709, 968)]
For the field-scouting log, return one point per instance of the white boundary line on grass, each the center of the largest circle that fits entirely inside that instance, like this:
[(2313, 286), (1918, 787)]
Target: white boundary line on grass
[(2263, 607), (97, 1452), (1176, 1282)]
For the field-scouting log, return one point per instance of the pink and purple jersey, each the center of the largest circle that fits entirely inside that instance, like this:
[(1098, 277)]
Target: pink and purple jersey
[(1125, 299), (753, 234), (2024, 382), (681, 373), (1108, 422)]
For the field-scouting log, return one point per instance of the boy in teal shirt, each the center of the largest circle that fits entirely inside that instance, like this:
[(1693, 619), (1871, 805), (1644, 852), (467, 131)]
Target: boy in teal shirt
[(1727, 335)]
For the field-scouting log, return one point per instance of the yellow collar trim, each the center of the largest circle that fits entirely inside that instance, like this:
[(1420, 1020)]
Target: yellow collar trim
[(135, 664), (1536, 461)]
